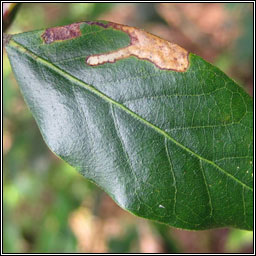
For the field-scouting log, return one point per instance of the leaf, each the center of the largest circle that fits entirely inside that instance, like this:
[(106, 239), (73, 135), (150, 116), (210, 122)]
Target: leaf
[(169, 139)]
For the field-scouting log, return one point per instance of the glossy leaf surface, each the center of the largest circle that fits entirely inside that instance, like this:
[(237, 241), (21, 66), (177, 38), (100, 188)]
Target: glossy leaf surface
[(170, 146)]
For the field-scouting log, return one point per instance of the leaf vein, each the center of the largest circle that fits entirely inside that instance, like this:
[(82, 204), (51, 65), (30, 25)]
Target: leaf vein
[(92, 89), (173, 175)]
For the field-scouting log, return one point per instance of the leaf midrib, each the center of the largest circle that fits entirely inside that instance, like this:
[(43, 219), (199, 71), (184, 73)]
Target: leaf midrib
[(68, 76)]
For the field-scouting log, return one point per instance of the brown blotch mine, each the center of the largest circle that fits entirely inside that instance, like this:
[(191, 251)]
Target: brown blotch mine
[(143, 45), (61, 33)]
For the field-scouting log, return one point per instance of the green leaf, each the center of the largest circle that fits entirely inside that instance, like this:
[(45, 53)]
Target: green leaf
[(175, 147)]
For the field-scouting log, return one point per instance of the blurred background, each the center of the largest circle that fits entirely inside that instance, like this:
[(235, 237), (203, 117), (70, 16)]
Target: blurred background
[(47, 206)]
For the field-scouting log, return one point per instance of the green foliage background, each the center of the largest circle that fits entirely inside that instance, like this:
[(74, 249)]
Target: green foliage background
[(41, 192)]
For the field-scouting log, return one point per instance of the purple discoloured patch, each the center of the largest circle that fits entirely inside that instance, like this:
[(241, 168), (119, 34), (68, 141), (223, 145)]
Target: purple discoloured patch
[(98, 23), (61, 33)]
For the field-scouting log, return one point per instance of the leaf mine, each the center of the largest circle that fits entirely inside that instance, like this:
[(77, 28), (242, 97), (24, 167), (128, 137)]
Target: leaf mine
[(173, 147), (143, 45), (61, 33)]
